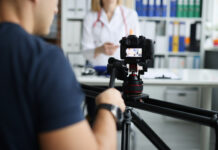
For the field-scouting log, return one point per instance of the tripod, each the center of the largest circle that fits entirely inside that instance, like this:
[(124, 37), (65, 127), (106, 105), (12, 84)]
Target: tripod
[(133, 98)]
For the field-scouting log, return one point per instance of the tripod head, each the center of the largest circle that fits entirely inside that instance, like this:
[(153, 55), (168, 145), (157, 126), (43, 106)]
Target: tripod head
[(135, 52)]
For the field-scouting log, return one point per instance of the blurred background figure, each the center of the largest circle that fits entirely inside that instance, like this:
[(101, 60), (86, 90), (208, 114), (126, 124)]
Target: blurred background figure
[(104, 26)]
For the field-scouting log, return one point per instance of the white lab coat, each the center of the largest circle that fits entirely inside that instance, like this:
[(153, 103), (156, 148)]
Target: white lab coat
[(112, 31)]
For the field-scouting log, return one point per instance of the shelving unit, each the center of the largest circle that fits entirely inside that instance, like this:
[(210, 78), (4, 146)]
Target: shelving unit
[(169, 19), (165, 53), (179, 54)]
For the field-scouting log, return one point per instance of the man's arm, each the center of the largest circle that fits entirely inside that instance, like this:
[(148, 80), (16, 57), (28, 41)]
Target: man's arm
[(80, 136)]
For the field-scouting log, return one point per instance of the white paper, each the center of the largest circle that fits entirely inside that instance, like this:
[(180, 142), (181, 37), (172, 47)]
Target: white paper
[(160, 74)]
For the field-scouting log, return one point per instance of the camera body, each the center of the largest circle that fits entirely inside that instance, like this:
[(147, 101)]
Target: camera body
[(136, 50)]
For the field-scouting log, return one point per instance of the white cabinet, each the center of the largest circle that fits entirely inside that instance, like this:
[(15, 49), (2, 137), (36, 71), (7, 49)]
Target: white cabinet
[(182, 96), (187, 96), (73, 36), (75, 8), (72, 14)]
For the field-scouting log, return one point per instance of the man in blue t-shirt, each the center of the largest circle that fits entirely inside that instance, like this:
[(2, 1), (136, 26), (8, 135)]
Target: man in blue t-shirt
[(39, 96)]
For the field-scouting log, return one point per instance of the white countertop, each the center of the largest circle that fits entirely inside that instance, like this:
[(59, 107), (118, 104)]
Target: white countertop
[(187, 77)]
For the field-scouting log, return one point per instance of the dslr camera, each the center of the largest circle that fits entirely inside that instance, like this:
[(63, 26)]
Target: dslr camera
[(136, 50)]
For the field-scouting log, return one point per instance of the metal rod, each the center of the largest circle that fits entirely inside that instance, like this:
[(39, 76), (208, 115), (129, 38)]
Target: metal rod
[(216, 132), (181, 107), (126, 129), (123, 140), (148, 132), (172, 113), (112, 78), (93, 88)]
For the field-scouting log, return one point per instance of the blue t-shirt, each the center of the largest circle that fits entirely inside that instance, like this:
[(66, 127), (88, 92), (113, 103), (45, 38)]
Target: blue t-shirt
[(38, 89)]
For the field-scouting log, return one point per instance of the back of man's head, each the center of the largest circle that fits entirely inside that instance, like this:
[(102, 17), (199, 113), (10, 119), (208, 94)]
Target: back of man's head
[(35, 16)]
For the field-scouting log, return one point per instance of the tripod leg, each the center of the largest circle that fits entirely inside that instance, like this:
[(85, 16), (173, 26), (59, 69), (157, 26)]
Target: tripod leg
[(132, 139), (112, 78), (126, 130), (148, 132), (216, 132), (91, 108)]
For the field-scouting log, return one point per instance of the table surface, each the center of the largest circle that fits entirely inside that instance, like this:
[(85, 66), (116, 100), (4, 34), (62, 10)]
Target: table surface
[(183, 77)]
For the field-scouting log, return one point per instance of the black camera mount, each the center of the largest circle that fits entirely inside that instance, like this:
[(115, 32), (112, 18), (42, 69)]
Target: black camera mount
[(143, 102), (140, 52), (132, 85)]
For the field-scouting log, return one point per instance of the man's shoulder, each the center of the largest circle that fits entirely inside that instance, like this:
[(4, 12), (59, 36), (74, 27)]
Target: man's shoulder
[(22, 43), (45, 53), (31, 48), (32, 42), (40, 49), (44, 46)]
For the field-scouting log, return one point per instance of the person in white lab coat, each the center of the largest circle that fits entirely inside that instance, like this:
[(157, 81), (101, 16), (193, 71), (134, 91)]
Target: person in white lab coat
[(104, 26)]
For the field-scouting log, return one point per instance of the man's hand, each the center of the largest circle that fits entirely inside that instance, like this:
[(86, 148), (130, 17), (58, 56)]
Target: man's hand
[(107, 49), (111, 96), (80, 136)]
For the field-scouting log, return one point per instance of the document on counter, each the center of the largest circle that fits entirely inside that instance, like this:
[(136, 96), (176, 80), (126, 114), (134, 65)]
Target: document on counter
[(156, 74)]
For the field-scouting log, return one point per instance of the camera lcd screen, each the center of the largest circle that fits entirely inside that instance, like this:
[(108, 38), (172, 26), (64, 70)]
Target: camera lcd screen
[(134, 52)]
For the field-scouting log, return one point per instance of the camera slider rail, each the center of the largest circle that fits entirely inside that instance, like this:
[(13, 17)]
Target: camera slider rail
[(197, 115)]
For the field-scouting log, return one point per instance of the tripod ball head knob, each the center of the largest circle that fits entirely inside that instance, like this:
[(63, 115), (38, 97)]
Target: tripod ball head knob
[(133, 85)]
